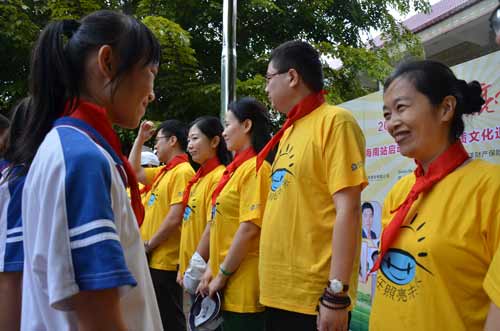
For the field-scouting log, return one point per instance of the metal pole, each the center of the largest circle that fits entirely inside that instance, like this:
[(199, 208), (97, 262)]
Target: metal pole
[(228, 57)]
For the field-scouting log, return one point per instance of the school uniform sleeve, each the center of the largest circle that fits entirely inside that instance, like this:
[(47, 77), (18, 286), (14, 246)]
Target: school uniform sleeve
[(183, 173), (254, 190), (344, 153), (79, 250), (13, 253)]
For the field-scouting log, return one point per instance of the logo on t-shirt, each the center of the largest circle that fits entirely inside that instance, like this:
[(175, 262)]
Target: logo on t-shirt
[(187, 212), (214, 210), (279, 176), (357, 165), (152, 199), (400, 268)]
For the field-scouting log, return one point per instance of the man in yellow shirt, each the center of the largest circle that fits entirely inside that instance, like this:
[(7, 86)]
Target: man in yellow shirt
[(161, 229), (317, 178)]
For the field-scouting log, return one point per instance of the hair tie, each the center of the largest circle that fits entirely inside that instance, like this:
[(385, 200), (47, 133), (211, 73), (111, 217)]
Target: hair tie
[(70, 27)]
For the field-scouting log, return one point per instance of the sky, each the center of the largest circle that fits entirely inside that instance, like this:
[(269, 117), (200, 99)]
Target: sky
[(336, 63)]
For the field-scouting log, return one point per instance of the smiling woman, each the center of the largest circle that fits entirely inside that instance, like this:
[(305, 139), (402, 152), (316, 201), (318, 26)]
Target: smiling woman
[(238, 202), (441, 228)]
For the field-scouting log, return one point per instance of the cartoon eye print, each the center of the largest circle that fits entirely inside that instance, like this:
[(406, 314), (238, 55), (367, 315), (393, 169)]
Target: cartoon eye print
[(399, 266), (278, 175), (189, 210), (214, 210), (152, 199)]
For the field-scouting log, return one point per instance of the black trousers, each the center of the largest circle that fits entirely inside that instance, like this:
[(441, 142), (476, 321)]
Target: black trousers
[(169, 297), (284, 320)]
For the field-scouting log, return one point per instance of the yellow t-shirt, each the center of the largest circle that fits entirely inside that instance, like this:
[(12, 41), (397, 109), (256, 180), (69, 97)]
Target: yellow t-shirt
[(492, 280), (197, 214), (319, 155), (242, 199), (432, 276), (167, 192)]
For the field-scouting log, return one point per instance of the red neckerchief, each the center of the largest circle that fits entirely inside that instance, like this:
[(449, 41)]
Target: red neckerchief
[(304, 107), (97, 117), (204, 170), (451, 159), (175, 161), (230, 169)]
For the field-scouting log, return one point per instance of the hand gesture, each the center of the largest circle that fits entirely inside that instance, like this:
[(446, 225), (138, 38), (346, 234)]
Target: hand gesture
[(217, 284), (204, 282), (146, 131)]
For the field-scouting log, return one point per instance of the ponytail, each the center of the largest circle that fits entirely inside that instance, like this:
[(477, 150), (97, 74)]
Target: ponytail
[(52, 82), (58, 61)]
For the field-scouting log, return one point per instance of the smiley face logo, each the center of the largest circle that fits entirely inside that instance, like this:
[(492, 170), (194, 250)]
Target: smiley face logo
[(152, 199), (399, 266), (214, 211), (278, 175), (187, 212)]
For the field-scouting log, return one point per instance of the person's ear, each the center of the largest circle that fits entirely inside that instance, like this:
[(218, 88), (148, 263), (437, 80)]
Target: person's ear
[(106, 62), (448, 108), (215, 142), (247, 126), (293, 77), (172, 140)]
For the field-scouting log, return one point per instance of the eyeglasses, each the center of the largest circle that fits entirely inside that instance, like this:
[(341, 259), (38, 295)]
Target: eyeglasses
[(270, 76), (495, 20)]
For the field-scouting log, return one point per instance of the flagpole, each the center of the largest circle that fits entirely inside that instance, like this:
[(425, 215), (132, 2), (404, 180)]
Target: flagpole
[(228, 57)]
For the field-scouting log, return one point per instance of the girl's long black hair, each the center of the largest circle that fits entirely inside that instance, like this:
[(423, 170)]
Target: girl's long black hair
[(58, 61)]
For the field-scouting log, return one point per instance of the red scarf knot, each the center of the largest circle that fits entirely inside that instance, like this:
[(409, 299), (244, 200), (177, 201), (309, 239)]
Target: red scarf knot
[(239, 159), (205, 169), (301, 109)]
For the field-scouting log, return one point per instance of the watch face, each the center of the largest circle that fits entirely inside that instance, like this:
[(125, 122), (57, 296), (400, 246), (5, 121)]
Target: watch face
[(336, 286)]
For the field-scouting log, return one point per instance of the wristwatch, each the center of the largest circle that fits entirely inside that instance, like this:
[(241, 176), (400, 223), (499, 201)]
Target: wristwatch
[(336, 286)]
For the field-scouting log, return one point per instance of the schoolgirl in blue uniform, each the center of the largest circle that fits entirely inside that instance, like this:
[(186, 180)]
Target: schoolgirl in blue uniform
[(11, 234), (85, 266)]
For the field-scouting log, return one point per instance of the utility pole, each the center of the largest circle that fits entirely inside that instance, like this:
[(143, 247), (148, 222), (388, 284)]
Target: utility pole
[(228, 57)]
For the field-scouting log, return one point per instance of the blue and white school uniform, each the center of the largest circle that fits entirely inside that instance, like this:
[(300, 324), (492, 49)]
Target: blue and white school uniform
[(11, 232), (81, 233)]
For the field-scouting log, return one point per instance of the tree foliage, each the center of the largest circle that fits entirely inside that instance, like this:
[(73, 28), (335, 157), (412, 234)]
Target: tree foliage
[(190, 34)]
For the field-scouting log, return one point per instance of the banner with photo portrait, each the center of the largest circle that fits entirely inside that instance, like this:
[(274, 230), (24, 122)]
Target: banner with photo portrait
[(385, 166)]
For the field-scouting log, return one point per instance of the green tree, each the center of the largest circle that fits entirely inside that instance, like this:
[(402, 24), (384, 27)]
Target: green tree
[(190, 34)]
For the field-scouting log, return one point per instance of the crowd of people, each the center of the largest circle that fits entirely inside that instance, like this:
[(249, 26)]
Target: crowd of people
[(93, 240)]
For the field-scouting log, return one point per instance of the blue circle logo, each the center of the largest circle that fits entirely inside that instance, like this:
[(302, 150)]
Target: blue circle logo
[(152, 199), (399, 266), (187, 213), (278, 178)]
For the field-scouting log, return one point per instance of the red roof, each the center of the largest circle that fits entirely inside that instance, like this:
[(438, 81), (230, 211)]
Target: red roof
[(439, 12)]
